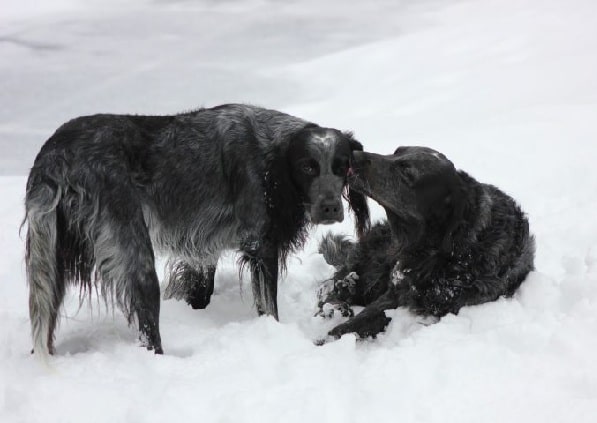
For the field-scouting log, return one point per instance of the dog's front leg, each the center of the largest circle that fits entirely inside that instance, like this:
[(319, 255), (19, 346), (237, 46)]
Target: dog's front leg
[(371, 320), (263, 262), (265, 285)]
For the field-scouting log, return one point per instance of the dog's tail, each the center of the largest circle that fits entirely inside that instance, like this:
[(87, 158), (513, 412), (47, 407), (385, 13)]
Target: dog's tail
[(336, 249), (45, 274)]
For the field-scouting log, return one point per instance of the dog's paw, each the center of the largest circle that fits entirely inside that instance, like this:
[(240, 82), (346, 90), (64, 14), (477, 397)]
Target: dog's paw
[(349, 283), (322, 341), (364, 325)]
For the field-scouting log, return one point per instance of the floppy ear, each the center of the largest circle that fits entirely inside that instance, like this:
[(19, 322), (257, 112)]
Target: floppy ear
[(459, 206), (284, 205), (358, 204), (356, 201)]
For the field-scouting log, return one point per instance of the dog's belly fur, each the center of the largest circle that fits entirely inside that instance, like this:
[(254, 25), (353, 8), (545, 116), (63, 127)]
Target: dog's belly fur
[(203, 245), (216, 227)]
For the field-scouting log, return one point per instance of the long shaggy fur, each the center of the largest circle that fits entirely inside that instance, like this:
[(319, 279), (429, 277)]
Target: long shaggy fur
[(448, 241), (106, 190)]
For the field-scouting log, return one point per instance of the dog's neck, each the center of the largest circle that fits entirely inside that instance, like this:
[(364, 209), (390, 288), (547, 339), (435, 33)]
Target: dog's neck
[(445, 235), (415, 237)]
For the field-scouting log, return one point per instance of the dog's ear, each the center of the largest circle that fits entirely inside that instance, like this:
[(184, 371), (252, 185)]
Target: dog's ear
[(457, 202), (354, 144), (356, 201), (358, 204), (284, 204)]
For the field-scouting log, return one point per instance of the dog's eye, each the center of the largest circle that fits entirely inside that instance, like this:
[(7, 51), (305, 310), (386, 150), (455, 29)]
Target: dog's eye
[(341, 170), (309, 169), (340, 167)]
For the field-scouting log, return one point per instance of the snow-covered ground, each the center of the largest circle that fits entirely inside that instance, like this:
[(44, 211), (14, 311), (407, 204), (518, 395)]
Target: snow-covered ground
[(505, 88)]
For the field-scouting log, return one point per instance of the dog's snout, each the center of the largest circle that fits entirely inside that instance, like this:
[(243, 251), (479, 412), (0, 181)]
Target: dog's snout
[(330, 207), (329, 211)]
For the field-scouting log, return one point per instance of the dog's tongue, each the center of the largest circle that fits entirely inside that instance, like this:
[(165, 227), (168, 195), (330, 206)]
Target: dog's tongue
[(350, 172)]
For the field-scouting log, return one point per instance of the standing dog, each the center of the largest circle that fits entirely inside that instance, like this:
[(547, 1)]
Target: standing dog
[(449, 241), (106, 189)]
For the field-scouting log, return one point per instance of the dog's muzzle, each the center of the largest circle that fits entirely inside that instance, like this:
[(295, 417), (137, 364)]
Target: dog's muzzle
[(327, 212)]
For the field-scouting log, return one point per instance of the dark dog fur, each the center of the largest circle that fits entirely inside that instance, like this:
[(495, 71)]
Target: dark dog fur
[(105, 190), (449, 241)]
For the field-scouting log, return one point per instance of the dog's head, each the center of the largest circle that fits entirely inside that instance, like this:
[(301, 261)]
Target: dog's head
[(319, 161), (415, 184)]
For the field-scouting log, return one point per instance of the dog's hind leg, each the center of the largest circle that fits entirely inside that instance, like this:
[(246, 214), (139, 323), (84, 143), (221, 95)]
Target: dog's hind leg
[(450, 295), (481, 291), (126, 262), (44, 273), (194, 284), (202, 289)]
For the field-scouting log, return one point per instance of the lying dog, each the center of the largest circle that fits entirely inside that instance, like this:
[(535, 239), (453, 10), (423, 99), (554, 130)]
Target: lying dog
[(449, 241), (105, 190)]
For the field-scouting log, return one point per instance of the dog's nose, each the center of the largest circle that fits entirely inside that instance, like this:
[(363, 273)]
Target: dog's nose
[(331, 210)]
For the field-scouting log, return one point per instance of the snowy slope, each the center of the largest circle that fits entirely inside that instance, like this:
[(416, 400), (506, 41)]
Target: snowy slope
[(506, 89)]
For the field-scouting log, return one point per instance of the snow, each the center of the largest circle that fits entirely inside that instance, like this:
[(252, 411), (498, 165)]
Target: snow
[(505, 89)]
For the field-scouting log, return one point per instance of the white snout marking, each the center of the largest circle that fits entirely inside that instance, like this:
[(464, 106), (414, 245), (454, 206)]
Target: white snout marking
[(327, 138)]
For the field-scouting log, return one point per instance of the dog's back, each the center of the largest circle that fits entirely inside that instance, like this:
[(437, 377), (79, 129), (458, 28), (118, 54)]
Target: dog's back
[(505, 243)]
